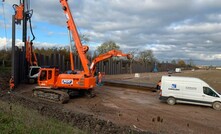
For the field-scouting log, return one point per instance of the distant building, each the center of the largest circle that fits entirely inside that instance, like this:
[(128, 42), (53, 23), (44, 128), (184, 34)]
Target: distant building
[(206, 67), (218, 68)]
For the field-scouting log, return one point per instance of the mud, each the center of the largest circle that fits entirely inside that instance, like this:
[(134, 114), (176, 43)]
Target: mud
[(125, 110), (86, 122)]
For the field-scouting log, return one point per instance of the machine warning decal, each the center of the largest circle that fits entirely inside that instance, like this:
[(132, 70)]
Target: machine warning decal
[(67, 81)]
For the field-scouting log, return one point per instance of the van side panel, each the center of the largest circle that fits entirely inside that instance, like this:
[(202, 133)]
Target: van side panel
[(192, 91)]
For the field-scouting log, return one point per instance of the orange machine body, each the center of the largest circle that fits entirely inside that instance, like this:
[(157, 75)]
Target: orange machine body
[(50, 77)]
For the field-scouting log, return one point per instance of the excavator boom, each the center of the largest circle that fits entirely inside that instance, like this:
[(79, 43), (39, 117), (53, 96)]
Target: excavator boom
[(105, 56)]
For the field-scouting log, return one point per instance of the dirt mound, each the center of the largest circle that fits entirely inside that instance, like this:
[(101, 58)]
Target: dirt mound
[(85, 122)]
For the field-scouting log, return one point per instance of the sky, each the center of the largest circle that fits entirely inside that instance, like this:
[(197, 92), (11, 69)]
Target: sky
[(172, 29)]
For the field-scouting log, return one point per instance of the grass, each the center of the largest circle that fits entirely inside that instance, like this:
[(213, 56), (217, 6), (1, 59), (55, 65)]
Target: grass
[(16, 119)]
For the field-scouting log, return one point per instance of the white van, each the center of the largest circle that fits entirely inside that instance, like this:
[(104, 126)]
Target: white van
[(178, 70), (175, 89)]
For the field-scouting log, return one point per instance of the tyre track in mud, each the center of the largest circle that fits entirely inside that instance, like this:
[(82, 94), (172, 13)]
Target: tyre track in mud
[(188, 119), (120, 107), (85, 122)]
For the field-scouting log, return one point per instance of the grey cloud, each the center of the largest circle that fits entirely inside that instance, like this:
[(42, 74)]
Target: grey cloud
[(173, 29)]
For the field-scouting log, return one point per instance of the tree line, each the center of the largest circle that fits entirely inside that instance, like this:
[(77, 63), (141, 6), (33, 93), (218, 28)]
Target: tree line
[(143, 56)]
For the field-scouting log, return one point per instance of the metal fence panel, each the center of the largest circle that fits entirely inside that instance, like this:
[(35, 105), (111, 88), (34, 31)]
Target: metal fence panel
[(108, 67)]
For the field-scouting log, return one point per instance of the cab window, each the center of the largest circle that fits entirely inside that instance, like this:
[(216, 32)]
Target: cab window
[(49, 74), (56, 72), (43, 75), (210, 92)]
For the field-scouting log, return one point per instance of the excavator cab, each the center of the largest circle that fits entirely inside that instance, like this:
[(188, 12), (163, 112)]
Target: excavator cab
[(48, 76)]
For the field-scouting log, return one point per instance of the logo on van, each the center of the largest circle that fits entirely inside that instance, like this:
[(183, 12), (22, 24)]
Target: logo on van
[(173, 86)]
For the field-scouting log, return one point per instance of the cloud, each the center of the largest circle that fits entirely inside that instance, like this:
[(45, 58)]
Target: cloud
[(173, 29), (198, 28), (7, 43), (3, 43)]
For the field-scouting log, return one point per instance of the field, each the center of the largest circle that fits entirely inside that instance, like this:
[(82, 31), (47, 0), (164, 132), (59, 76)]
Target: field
[(212, 77), (125, 110)]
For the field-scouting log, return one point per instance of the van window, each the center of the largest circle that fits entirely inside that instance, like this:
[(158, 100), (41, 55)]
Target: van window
[(210, 92)]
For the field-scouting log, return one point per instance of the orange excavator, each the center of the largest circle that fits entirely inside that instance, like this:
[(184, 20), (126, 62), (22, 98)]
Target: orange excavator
[(57, 87)]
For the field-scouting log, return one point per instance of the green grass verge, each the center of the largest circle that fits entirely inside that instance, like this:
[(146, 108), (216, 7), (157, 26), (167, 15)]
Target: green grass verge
[(16, 119)]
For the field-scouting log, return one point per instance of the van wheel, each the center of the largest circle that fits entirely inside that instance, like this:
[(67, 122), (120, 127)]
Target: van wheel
[(217, 105), (171, 101)]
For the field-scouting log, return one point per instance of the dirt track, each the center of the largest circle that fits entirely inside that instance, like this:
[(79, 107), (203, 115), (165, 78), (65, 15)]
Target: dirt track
[(139, 110)]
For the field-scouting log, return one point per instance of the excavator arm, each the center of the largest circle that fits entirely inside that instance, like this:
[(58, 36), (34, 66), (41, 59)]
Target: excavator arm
[(105, 56)]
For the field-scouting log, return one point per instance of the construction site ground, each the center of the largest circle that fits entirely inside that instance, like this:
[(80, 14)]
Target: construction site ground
[(124, 108)]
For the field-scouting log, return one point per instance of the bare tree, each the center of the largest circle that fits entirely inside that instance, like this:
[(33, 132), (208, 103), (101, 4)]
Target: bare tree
[(146, 56), (181, 63), (107, 46)]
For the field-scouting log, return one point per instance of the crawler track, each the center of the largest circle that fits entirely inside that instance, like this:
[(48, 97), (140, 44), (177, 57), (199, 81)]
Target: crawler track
[(51, 95)]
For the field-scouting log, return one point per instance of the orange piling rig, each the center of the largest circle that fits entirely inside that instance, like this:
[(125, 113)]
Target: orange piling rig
[(30, 64), (57, 87), (30, 54)]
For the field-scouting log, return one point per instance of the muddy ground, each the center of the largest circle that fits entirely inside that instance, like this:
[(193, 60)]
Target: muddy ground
[(212, 77), (124, 110)]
